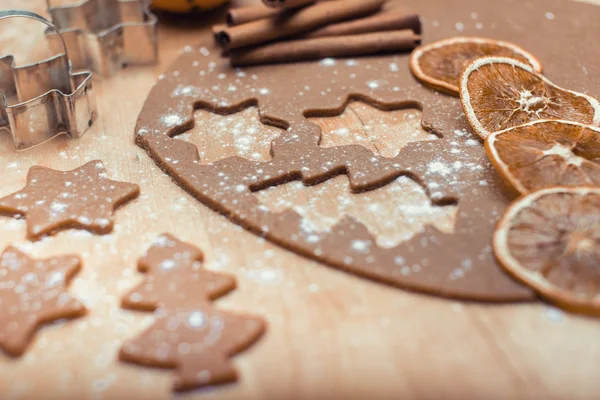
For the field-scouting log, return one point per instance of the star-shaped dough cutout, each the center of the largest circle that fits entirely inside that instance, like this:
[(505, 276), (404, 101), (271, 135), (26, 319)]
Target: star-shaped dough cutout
[(83, 198), (33, 292)]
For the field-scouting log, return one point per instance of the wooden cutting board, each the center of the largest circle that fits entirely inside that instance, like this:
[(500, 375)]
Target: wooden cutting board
[(330, 335)]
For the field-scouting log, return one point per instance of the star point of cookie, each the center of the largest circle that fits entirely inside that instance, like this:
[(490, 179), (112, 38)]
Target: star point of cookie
[(33, 292), (83, 198)]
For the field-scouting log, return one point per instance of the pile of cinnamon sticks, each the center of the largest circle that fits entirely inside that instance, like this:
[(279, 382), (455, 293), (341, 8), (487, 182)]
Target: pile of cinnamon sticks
[(300, 30)]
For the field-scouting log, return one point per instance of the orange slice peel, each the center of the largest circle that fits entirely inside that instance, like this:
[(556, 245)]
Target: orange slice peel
[(546, 153), (439, 64), (550, 240), (498, 93)]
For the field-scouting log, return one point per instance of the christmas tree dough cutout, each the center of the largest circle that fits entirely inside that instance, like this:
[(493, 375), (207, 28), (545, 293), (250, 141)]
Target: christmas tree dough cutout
[(83, 198), (33, 292), (189, 334)]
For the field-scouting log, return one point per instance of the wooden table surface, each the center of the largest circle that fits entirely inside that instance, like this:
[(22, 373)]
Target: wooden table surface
[(330, 335)]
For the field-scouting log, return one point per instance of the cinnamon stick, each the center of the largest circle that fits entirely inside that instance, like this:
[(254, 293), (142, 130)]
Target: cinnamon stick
[(287, 3), (291, 23), (241, 15), (332, 46), (217, 29), (387, 20)]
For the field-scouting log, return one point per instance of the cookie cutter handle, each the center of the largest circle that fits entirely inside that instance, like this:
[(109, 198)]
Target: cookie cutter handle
[(42, 99), (33, 80), (5, 14)]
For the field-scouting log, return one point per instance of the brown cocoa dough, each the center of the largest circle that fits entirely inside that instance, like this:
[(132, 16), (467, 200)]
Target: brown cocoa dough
[(453, 169)]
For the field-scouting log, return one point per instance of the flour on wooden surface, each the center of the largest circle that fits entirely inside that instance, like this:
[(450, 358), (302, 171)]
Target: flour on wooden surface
[(383, 132), (393, 213), (241, 134)]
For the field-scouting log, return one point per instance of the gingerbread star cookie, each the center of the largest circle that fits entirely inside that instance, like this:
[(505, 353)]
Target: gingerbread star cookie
[(33, 292), (83, 198), (189, 333)]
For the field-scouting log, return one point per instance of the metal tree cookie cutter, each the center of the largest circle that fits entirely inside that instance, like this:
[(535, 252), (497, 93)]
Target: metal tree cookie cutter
[(104, 35), (44, 99)]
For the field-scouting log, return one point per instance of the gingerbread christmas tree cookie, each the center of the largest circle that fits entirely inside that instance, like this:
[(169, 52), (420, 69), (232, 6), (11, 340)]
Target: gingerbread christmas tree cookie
[(175, 277), (33, 292), (83, 198), (189, 334)]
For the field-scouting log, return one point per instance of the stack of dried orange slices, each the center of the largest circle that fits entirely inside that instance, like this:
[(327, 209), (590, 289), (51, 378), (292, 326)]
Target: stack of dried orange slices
[(544, 141)]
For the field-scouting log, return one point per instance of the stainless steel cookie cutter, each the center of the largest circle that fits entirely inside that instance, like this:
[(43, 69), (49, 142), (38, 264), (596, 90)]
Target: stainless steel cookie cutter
[(42, 100), (104, 35)]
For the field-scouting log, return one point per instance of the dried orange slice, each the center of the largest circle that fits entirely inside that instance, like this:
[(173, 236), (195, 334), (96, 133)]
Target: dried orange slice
[(498, 93), (550, 240), (546, 153), (439, 64)]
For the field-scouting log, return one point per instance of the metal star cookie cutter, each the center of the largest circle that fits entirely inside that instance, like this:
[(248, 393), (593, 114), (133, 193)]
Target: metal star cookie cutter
[(104, 35), (42, 100)]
